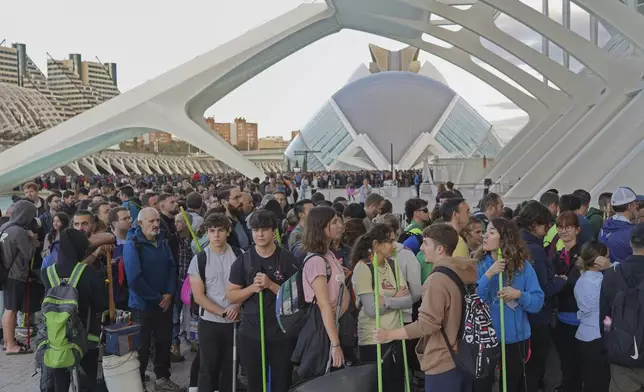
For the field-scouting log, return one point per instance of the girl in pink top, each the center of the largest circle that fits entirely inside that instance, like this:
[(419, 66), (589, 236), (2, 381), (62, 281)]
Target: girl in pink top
[(323, 227)]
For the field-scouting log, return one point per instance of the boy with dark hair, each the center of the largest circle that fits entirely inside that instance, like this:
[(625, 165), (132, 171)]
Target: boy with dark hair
[(442, 313), (263, 268), (209, 272)]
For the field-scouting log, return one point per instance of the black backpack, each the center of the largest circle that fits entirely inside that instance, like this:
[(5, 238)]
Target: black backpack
[(478, 344), (202, 259), (626, 336)]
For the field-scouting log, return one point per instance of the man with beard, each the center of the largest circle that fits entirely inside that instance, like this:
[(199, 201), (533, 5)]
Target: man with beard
[(231, 198), (151, 277), (168, 209), (54, 204)]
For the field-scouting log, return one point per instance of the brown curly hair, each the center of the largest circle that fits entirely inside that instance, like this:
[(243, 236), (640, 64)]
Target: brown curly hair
[(514, 250)]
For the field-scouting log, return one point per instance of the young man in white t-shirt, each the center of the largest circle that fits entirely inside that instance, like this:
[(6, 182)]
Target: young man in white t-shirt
[(216, 314)]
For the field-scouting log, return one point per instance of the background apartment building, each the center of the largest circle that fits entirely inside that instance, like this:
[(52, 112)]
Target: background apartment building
[(240, 133)]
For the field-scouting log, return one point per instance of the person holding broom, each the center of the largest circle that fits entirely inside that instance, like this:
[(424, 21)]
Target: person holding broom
[(255, 279), (441, 309), (521, 294)]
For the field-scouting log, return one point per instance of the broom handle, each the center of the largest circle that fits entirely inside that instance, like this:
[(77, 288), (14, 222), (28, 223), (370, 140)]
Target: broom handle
[(402, 324), (502, 314), (110, 286), (376, 288), (262, 341)]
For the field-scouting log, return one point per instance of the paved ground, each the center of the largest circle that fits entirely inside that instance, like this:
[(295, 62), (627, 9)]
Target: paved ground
[(16, 372)]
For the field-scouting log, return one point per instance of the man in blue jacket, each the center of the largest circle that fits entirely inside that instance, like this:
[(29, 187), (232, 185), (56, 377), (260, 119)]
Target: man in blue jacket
[(615, 233), (151, 277)]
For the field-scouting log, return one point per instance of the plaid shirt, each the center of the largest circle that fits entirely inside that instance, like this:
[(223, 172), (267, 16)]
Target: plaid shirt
[(185, 256)]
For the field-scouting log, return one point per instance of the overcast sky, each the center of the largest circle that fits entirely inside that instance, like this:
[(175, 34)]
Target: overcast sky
[(146, 38)]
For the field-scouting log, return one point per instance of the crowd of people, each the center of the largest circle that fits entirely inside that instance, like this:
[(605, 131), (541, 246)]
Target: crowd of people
[(369, 281)]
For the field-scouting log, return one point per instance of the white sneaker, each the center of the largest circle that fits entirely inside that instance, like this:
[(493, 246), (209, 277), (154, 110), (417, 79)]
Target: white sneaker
[(166, 385)]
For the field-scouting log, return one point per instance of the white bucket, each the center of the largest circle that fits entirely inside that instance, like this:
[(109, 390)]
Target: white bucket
[(122, 373)]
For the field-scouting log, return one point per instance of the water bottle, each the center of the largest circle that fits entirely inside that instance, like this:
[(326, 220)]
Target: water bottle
[(607, 323)]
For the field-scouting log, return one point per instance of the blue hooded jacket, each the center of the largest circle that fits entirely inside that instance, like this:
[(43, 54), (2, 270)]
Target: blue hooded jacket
[(150, 269), (517, 327), (616, 235), (134, 210)]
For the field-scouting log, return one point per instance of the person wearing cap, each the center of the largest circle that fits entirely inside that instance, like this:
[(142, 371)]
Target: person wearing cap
[(615, 232), (624, 379)]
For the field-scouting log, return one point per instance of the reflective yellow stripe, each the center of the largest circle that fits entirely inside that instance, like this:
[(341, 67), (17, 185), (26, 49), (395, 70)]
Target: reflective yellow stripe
[(93, 338), (48, 300)]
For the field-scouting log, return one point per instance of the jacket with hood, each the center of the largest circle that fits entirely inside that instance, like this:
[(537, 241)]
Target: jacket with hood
[(517, 327), (549, 283), (150, 269), (17, 249), (596, 218), (616, 235), (134, 206), (628, 273), (441, 308)]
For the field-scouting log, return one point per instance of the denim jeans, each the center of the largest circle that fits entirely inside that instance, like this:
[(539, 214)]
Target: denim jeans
[(178, 309)]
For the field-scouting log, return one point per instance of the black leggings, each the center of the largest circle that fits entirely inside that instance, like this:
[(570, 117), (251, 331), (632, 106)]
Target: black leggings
[(567, 348), (59, 380), (515, 359), (393, 367), (278, 359), (595, 369)]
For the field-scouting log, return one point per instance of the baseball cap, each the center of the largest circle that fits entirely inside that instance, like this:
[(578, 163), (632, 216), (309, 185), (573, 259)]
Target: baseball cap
[(624, 195), (637, 234)]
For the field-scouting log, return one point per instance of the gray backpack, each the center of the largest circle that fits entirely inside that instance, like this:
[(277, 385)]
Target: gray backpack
[(62, 339)]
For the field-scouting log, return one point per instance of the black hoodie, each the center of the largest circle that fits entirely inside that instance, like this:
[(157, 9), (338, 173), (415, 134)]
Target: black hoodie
[(628, 273), (92, 292), (17, 249)]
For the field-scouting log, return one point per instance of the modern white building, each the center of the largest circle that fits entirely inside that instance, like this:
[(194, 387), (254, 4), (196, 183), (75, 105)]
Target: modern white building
[(583, 132), (395, 111)]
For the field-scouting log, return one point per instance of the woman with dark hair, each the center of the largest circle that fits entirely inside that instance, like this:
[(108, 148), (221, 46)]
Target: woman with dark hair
[(92, 301), (379, 245), (565, 264), (534, 220), (323, 280), (60, 221), (595, 369), (503, 250), (355, 210), (354, 228)]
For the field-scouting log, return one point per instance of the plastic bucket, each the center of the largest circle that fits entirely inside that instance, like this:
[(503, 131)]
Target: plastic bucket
[(122, 373)]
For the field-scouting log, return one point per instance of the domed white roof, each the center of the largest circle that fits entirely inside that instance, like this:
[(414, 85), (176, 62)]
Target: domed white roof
[(394, 107), (24, 113)]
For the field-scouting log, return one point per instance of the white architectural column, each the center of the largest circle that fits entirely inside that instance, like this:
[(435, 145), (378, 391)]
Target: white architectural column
[(131, 163), (119, 165), (88, 162), (104, 163), (74, 166)]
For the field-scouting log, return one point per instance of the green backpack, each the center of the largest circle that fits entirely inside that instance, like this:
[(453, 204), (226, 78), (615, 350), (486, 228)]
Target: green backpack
[(62, 339)]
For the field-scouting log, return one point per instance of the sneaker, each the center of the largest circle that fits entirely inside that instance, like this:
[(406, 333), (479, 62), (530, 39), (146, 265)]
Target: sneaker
[(175, 354), (166, 385)]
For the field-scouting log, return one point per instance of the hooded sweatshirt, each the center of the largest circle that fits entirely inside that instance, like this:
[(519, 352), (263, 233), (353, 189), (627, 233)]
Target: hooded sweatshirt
[(150, 269), (17, 249), (616, 235), (441, 308), (596, 218)]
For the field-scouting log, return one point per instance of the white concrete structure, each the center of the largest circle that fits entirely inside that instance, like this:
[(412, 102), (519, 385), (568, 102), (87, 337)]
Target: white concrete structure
[(580, 135), (118, 162)]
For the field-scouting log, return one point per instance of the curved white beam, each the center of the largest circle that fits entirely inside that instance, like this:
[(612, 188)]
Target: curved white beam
[(613, 71), (630, 24), (183, 93)]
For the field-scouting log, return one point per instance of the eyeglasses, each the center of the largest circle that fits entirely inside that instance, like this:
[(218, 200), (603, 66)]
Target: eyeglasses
[(126, 219), (425, 210), (566, 228)]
